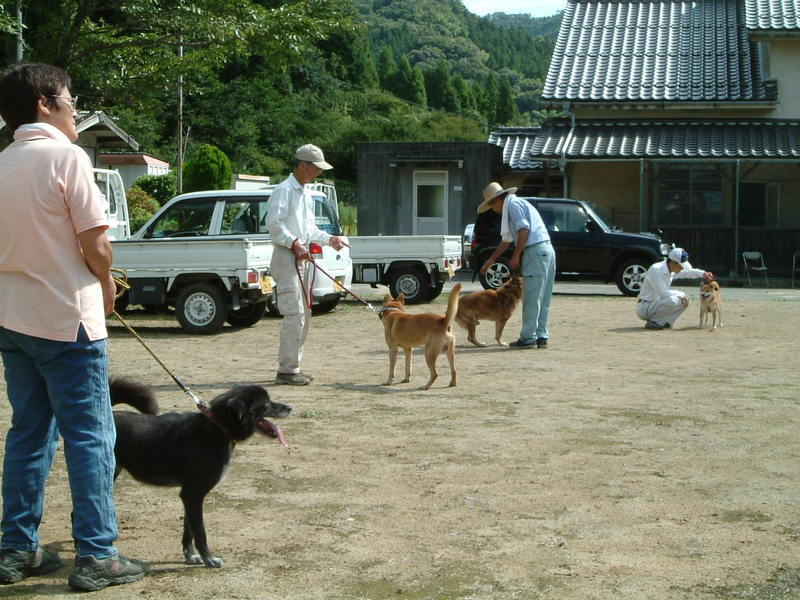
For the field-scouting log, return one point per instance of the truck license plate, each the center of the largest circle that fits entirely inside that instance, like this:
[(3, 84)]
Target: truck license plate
[(337, 284), (266, 284), (451, 270)]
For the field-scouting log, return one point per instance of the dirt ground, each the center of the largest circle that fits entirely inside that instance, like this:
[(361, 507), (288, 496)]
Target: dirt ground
[(618, 463)]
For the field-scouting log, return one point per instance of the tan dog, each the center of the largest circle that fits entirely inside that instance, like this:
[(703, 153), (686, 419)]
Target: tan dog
[(489, 305), (710, 304), (406, 331)]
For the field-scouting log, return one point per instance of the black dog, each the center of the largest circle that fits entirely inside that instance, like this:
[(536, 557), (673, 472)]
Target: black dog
[(191, 450)]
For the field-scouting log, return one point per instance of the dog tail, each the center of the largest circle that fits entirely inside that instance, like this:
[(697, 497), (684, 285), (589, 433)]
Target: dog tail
[(140, 397), (452, 305)]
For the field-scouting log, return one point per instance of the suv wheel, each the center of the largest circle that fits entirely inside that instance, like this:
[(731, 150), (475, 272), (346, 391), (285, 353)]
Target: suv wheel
[(630, 275), (495, 276)]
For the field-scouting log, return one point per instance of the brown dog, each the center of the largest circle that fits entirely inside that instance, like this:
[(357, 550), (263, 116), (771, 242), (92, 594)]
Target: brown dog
[(710, 304), (406, 331), (489, 305)]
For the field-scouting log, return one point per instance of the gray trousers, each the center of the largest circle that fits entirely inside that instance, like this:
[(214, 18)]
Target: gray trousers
[(293, 307), (664, 310)]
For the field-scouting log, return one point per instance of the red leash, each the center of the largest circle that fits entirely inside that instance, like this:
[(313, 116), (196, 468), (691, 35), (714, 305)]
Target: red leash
[(308, 294), (345, 288)]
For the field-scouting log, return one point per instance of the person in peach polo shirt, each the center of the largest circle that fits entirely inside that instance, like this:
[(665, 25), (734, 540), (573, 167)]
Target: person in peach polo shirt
[(55, 291)]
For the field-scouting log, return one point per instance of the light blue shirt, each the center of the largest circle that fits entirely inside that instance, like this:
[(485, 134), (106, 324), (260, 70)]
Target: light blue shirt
[(522, 215)]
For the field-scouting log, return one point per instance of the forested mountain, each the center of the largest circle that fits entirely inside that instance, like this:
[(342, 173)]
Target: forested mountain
[(544, 26), (263, 76)]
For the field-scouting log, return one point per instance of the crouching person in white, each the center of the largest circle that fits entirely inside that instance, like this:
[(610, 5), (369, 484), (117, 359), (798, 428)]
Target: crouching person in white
[(658, 305)]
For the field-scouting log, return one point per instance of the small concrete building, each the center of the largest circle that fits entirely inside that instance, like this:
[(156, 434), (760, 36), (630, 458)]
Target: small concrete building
[(418, 188)]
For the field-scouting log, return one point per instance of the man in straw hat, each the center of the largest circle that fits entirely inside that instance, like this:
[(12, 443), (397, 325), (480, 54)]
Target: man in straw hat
[(290, 219), (658, 305), (533, 256)]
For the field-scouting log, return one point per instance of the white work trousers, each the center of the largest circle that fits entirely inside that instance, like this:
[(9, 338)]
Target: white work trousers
[(292, 305), (663, 310)]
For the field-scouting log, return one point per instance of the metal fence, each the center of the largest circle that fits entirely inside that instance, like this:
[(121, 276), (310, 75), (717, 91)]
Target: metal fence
[(718, 210)]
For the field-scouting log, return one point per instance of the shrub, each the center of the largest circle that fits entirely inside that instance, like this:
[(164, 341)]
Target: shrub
[(161, 187), (348, 219), (208, 169), (141, 206)]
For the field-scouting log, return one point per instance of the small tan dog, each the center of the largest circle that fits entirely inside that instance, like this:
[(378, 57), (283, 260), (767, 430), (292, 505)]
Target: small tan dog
[(407, 331), (710, 304), (489, 305)]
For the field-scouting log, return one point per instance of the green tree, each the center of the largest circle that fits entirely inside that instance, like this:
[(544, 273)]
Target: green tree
[(161, 187), (122, 51), (208, 169), (440, 90), (387, 68), (141, 206), (505, 109), (418, 92), (465, 98)]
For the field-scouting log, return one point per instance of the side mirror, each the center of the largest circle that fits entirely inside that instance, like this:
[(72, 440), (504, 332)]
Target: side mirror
[(591, 226)]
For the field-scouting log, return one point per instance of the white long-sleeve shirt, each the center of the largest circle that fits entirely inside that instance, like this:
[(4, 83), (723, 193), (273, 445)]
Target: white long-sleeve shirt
[(658, 279), (290, 215)]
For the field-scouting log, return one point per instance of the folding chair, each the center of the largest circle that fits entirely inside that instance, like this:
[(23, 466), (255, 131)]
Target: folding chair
[(754, 261), (795, 264)]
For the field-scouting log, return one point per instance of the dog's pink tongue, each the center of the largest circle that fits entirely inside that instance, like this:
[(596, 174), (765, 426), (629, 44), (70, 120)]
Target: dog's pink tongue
[(272, 430)]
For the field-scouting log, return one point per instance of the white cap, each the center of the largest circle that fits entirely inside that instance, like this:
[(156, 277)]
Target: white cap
[(311, 153), (680, 256)]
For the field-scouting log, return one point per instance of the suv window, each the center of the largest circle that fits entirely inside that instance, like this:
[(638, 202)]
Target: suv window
[(190, 218), (562, 217)]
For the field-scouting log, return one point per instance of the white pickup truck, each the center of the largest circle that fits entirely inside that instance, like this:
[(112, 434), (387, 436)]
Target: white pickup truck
[(207, 281), (415, 265), (219, 236), (110, 183)]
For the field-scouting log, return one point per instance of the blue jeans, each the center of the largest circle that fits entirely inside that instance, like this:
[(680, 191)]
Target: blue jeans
[(58, 387), (538, 270)]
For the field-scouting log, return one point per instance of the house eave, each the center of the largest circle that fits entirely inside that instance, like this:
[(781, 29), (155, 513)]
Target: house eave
[(557, 103)]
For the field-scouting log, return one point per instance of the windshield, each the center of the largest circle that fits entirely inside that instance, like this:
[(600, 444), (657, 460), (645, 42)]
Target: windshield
[(603, 217), (324, 216)]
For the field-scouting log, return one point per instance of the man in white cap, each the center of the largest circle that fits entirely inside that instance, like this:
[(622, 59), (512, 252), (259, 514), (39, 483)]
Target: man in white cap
[(533, 256), (658, 305), (290, 219)]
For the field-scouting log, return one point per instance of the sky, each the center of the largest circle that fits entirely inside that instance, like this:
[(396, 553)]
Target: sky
[(537, 8)]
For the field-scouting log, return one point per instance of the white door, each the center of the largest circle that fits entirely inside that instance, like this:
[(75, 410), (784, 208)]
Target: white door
[(430, 203)]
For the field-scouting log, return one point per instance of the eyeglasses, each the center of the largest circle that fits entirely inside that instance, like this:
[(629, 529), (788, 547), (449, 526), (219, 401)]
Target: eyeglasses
[(72, 100)]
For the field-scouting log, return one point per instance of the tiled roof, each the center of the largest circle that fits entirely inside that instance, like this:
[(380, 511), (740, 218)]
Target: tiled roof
[(655, 51), (740, 138), (772, 15), (516, 144)]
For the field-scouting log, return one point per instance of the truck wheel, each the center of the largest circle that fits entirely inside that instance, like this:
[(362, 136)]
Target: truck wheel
[(630, 275), (433, 292), (121, 303), (248, 315), (201, 308), (325, 307), (411, 282), (272, 308), (495, 276)]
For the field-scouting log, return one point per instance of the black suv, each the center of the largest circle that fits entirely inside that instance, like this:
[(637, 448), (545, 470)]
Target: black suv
[(586, 246)]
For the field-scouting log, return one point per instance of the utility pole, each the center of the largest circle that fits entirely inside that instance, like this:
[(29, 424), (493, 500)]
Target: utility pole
[(180, 119), (20, 40)]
